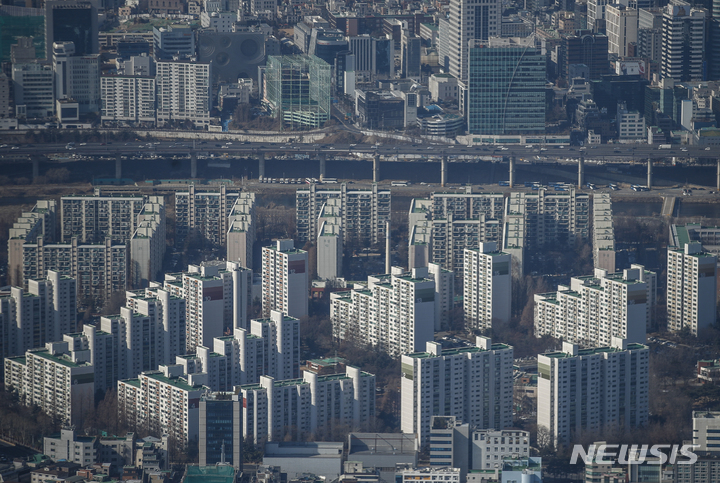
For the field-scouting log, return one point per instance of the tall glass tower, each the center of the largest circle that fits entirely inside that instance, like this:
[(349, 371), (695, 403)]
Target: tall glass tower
[(506, 87)]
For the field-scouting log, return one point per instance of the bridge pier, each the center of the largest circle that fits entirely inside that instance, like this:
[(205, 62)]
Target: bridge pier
[(718, 175), (323, 158), (376, 168), (511, 181), (118, 166), (443, 170), (35, 167), (581, 172), (193, 165), (649, 174), (261, 166)]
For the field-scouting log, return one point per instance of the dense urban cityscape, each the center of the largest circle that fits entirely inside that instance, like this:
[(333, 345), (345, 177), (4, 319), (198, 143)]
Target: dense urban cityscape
[(271, 241)]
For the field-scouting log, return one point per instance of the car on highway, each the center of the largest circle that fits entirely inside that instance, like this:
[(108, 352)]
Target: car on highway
[(707, 148), (14, 147)]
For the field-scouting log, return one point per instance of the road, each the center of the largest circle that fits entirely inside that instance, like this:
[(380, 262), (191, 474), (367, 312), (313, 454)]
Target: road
[(455, 153)]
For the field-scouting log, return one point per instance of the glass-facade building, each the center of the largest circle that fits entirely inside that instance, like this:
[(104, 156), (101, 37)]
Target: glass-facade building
[(220, 430), (298, 90), (16, 22), (506, 87)]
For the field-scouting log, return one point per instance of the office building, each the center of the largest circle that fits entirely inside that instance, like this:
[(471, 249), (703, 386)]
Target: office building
[(216, 295), (329, 241), (487, 287), (451, 475), (394, 312), (42, 313), (58, 381), (590, 389), (274, 410), (22, 34), (81, 450), (93, 218), (595, 14), (77, 77), (326, 44), (603, 233), (383, 451), (588, 49), (183, 92), (714, 44), (472, 383), (219, 438), (312, 462), (207, 213), (40, 222), (269, 347), (630, 124), (410, 53), (162, 402), (705, 470), (297, 90), (71, 21), (241, 230), (147, 244), (285, 285), (691, 288), (174, 41), (34, 88), (127, 98), (621, 25), (380, 109), (708, 236), (364, 212), (506, 83), (594, 309), (706, 426), (101, 269), (470, 21), (683, 42)]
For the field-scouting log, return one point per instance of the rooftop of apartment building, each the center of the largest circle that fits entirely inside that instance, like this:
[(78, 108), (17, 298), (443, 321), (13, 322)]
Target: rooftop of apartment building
[(457, 350), (177, 382), (60, 359), (596, 350)]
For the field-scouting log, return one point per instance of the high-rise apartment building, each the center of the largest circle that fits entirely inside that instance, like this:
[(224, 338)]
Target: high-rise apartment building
[(506, 81), (594, 309), (183, 92), (162, 402), (329, 240), (470, 21), (472, 383), (241, 230), (40, 222), (127, 98), (277, 409), (42, 313), (621, 26), (220, 431), (55, 379), (298, 90), (589, 389), (394, 312), (216, 295), (207, 212), (603, 233), (92, 219), (285, 285), (444, 294), (487, 287), (364, 212), (147, 243), (683, 42), (691, 288)]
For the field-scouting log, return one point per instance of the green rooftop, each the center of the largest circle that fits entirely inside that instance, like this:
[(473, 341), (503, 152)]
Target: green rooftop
[(178, 382), (210, 474)]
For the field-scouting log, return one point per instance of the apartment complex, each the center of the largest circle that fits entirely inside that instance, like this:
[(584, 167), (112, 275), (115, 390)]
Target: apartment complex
[(330, 240), (393, 312), (691, 288), (487, 287), (57, 380), (588, 389), (295, 408), (472, 383), (184, 92), (603, 233), (285, 284), (595, 309), (205, 212), (241, 230), (162, 402), (39, 222), (364, 212), (216, 296), (95, 218)]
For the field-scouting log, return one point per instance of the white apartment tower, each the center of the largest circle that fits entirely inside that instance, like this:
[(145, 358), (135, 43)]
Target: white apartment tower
[(92, 219), (127, 98), (277, 409), (285, 279), (472, 383), (147, 243), (444, 294), (329, 241), (588, 389), (470, 20), (487, 287), (595, 309), (216, 295), (621, 25), (241, 230), (39, 222), (184, 92), (208, 212), (691, 288), (393, 312)]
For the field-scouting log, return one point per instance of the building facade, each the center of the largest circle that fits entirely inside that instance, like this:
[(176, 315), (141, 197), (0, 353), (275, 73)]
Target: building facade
[(487, 287), (285, 285), (691, 288), (183, 92)]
